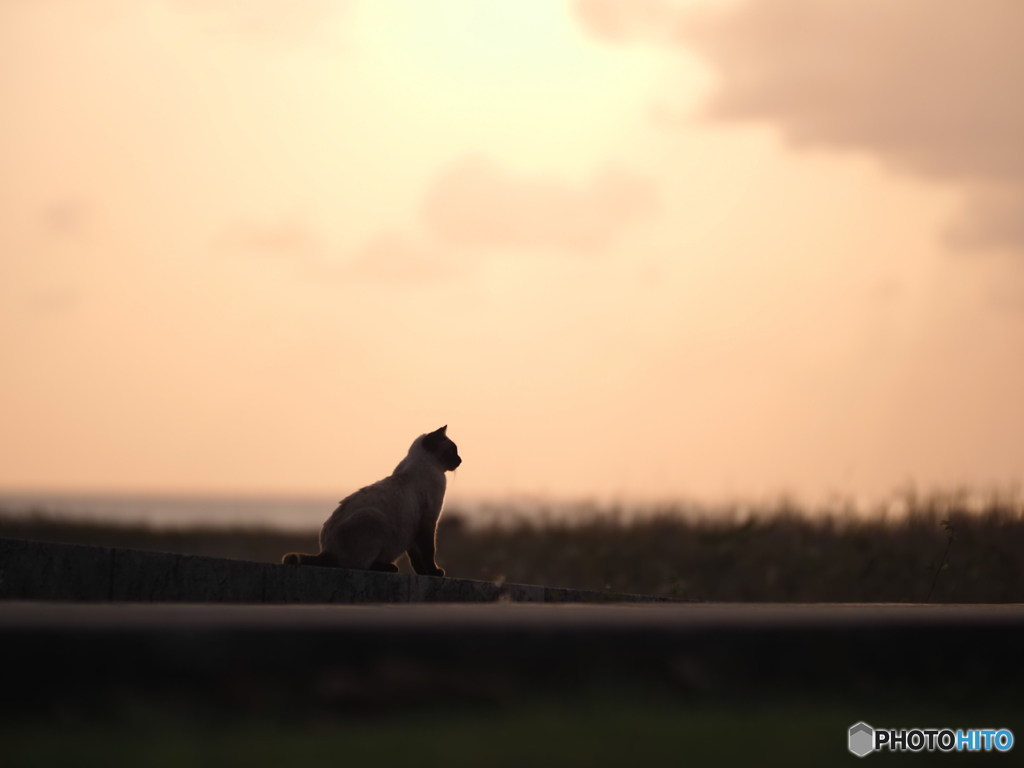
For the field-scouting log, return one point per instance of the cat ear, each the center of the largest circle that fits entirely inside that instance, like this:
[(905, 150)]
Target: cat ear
[(433, 439)]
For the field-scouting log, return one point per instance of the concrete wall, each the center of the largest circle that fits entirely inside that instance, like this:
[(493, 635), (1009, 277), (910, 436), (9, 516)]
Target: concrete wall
[(31, 570)]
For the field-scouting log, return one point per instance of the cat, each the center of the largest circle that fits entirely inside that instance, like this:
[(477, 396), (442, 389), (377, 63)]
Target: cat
[(377, 524)]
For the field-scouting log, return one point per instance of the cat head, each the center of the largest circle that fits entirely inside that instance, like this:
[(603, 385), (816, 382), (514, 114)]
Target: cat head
[(442, 448)]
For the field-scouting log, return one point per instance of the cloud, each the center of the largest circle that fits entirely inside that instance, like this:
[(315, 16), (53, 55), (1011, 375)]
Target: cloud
[(931, 87), (475, 204), (389, 258), (392, 258), (283, 238), (66, 217), (993, 217), (472, 204), (618, 21), (55, 301)]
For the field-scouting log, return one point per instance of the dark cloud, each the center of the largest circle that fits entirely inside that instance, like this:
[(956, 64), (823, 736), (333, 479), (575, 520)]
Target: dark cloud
[(475, 203), (931, 87)]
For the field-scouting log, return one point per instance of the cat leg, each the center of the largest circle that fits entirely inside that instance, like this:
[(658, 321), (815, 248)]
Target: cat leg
[(421, 554), (383, 567), (415, 559)]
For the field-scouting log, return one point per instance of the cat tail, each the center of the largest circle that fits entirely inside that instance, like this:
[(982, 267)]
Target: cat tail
[(300, 558)]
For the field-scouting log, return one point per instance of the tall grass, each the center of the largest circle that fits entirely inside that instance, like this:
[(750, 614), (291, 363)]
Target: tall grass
[(778, 554)]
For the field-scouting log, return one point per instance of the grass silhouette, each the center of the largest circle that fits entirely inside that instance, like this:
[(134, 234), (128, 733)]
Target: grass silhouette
[(780, 554)]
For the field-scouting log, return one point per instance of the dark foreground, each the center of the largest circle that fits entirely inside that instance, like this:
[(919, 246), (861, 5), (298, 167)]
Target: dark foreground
[(498, 684), (34, 570)]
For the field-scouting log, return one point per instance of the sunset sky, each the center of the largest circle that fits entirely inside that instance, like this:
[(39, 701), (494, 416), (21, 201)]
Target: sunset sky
[(626, 249)]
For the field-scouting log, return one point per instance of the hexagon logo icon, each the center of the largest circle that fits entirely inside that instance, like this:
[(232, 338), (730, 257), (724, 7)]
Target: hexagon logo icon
[(862, 739)]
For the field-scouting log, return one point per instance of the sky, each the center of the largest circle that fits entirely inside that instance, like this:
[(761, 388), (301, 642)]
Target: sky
[(627, 250)]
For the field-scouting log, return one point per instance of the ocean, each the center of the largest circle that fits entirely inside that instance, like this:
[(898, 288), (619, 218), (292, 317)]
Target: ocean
[(293, 513)]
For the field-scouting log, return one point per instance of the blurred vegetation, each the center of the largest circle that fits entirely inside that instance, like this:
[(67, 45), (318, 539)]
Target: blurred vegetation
[(264, 545), (937, 545), (636, 727)]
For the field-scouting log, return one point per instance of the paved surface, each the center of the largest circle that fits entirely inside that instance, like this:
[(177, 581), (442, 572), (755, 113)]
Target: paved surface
[(509, 617), (363, 655)]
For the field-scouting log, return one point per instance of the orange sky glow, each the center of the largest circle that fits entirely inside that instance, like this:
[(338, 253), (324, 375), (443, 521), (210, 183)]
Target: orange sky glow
[(627, 250)]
